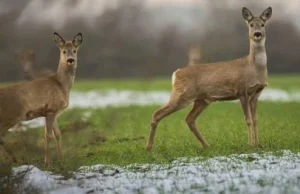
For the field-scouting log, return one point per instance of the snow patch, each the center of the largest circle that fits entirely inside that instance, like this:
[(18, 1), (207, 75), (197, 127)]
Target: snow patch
[(102, 99), (246, 173)]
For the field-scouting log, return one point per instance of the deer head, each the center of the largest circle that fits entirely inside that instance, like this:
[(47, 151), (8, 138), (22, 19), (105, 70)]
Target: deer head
[(68, 49), (256, 25), (26, 58)]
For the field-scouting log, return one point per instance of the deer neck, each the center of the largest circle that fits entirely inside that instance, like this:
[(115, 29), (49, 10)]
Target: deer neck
[(258, 55), (66, 75)]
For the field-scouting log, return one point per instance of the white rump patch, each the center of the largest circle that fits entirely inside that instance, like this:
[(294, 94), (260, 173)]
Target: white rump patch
[(173, 77)]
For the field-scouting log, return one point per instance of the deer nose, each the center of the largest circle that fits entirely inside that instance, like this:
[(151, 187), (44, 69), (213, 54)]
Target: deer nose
[(70, 60), (257, 34)]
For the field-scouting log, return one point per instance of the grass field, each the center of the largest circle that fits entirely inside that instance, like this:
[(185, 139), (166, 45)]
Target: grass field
[(288, 82), (285, 82), (117, 135)]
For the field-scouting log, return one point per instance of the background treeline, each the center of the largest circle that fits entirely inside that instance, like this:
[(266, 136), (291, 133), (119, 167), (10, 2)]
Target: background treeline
[(133, 39)]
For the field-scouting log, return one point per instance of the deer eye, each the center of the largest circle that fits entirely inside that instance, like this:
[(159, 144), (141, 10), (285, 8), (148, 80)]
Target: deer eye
[(251, 25), (74, 51), (64, 52), (262, 25)]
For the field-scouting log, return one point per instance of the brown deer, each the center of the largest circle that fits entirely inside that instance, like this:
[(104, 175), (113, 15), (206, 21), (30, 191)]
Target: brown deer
[(242, 79), (194, 54), (26, 58), (42, 97)]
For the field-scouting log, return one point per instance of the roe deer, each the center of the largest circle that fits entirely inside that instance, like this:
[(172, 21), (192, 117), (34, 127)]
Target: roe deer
[(242, 79), (194, 54), (42, 97), (26, 58)]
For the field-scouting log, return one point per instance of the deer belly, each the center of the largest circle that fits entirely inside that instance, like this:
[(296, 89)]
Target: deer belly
[(222, 95), (35, 114), (223, 98)]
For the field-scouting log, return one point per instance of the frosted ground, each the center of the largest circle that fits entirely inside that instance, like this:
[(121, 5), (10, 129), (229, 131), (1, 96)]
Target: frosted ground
[(248, 173)]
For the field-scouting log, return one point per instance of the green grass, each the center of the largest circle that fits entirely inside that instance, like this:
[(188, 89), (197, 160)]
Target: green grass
[(284, 82), (118, 135)]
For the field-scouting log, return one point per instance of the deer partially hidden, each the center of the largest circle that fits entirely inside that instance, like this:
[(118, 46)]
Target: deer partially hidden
[(242, 79), (26, 58), (194, 54), (42, 97)]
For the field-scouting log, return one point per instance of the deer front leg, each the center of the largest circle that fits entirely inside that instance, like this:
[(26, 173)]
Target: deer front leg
[(171, 107), (199, 106), (57, 135), (50, 118), (253, 106), (248, 118)]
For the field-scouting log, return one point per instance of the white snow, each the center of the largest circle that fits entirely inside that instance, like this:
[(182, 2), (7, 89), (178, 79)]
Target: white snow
[(247, 173), (115, 98), (101, 99)]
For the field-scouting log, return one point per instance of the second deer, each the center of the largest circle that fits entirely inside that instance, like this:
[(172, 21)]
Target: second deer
[(242, 79), (42, 97), (26, 58), (194, 54)]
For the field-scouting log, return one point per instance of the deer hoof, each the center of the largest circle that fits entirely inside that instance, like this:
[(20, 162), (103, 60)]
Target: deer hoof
[(205, 146), (149, 148)]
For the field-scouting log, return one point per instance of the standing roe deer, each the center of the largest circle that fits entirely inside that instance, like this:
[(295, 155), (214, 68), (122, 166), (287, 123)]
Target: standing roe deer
[(26, 58), (42, 97), (242, 79)]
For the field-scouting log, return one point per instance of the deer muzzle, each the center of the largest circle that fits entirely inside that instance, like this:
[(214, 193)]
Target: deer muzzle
[(70, 61)]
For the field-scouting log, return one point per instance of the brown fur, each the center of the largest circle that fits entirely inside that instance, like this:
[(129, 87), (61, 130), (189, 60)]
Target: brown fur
[(26, 58), (42, 97), (203, 84)]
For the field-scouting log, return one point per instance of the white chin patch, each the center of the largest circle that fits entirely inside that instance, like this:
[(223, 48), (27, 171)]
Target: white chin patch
[(257, 38)]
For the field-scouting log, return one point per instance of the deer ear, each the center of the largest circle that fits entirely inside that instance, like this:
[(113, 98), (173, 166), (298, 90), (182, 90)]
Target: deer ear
[(77, 41), (247, 15), (59, 41), (266, 15)]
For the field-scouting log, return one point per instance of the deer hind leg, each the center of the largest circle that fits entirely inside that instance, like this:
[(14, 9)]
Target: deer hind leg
[(50, 119), (248, 117), (57, 136), (253, 106), (174, 105), (199, 106)]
